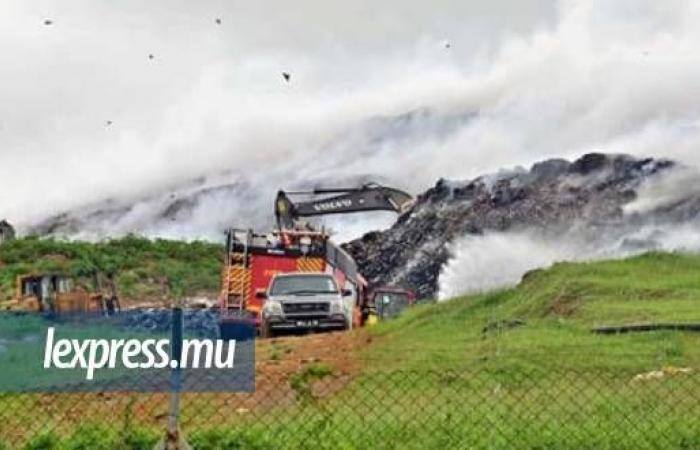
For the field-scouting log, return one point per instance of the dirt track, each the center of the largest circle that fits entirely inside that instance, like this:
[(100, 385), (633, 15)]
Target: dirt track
[(288, 355)]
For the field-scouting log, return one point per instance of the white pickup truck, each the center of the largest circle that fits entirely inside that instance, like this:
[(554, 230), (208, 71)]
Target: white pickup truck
[(305, 302)]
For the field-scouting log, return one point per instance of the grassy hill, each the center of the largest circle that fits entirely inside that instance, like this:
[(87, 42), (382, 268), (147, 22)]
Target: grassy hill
[(522, 365), (546, 320), (138, 264)]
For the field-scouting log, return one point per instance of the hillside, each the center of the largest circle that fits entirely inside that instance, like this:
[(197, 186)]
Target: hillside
[(140, 265), (545, 321)]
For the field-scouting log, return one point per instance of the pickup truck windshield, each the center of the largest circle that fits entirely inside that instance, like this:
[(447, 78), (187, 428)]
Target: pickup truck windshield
[(307, 284)]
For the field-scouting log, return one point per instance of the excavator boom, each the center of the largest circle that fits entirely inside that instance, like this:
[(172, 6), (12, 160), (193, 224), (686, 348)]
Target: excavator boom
[(370, 197)]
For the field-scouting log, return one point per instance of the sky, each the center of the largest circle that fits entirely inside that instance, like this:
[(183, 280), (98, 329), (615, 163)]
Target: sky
[(401, 91)]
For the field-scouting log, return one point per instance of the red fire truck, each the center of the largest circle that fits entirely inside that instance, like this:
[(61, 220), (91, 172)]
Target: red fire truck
[(252, 259)]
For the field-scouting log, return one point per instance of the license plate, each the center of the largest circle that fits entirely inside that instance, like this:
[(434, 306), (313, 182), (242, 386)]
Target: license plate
[(307, 323)]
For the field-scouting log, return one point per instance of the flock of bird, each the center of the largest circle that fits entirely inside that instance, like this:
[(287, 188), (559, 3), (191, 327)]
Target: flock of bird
[(286, 76)]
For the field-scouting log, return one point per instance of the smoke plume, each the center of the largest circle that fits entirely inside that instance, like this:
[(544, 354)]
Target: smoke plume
[(201, 136)]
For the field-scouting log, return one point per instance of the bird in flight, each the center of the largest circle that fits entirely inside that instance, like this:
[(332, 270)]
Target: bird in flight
[(286, 76), (150, 56), (48, 22), (218, 21)]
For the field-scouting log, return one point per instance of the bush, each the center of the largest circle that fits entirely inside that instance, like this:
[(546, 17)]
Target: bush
[(138, 264)]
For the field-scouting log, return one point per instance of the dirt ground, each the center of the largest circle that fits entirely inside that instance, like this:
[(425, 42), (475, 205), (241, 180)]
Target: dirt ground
[(289, 354), (281, 360)]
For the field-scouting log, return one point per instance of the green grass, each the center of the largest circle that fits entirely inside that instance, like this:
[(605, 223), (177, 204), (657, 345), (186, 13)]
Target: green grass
[(140, 265), (95, 437), (549, 382), (558, 306), (445, 410)]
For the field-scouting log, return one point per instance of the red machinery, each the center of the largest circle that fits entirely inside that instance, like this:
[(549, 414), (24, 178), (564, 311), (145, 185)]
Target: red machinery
[(253, 259)]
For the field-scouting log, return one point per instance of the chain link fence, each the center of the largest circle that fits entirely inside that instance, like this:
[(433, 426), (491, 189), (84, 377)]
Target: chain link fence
[(321, 407)]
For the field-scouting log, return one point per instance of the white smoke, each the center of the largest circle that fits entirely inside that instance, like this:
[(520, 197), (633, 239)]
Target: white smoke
[(499, 260), (496, 260), (656, 192), (545, 79)]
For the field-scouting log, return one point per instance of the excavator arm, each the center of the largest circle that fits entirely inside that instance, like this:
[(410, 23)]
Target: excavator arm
[(369, 197)]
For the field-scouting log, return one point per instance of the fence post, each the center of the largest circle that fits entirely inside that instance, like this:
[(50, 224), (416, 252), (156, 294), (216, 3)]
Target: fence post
[(173, 439)]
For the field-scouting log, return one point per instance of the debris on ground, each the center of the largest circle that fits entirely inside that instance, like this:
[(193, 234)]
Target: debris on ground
[(663, 373)]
